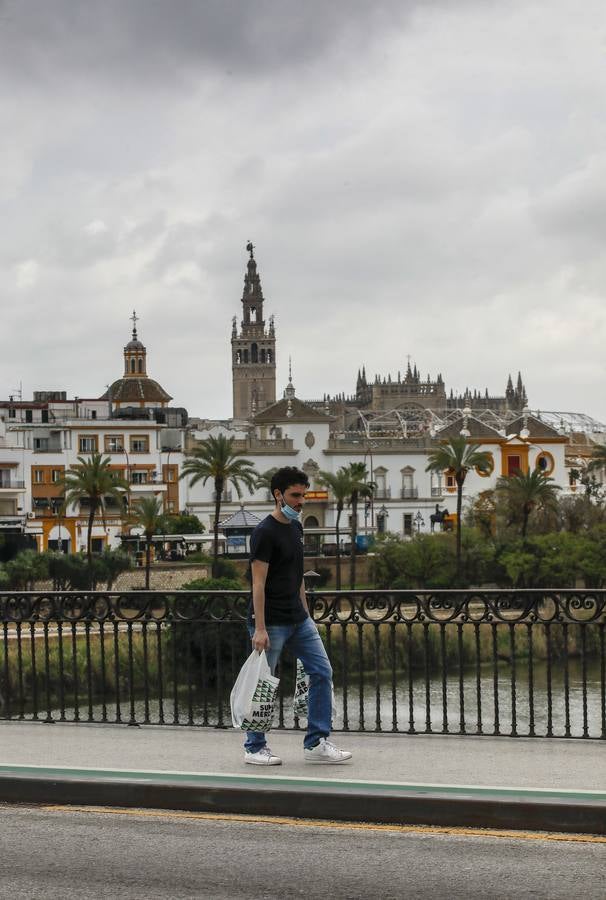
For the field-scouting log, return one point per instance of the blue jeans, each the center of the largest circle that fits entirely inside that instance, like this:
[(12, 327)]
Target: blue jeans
[(305, 643)]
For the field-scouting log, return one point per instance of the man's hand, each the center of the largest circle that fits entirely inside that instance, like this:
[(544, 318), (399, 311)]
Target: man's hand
[(260, 639)]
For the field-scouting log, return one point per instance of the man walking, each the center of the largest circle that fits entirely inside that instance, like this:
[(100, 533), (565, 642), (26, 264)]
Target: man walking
[(279, 617)]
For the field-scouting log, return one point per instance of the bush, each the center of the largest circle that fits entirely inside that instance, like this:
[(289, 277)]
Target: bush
[(202, 645)]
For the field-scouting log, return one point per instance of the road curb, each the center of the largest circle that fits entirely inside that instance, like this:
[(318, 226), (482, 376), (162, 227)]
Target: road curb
[(459, 807)]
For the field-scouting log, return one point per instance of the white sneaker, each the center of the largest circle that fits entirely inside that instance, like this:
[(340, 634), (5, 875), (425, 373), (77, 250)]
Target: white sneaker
[(326, 752), (263, 757)]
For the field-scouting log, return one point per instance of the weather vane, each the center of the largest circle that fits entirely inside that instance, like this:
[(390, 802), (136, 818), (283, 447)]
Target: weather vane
[(250, 247), (134, 319)]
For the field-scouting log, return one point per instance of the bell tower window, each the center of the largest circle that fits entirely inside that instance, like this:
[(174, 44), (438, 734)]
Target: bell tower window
[(254, 353), (132, 366)]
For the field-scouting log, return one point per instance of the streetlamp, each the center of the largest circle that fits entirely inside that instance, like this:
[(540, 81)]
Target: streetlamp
[(419, 521)]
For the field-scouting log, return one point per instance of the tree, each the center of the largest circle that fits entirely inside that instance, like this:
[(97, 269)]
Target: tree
[(525, 492), (598, 458), (216, 458), (458, 457), (182, 523), (92, 482), (359, 486), (339, 484), (147, 513), (25, 569), (263, 481)]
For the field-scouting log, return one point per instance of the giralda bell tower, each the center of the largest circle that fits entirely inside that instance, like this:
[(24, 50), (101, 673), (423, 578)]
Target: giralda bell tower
[(253, 350)]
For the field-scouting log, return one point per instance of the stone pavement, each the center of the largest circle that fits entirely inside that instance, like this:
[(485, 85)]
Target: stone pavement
[(431, 779)]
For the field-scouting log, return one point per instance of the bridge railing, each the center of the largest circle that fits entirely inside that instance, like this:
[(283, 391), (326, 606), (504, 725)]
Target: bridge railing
[(512, 663)]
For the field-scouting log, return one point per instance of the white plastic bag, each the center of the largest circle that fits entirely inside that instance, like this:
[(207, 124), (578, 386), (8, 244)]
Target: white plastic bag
[(253, 695), (301, 698)]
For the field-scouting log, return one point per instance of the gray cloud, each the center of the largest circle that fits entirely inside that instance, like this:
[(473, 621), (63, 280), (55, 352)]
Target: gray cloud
[(160, 41), (419, 178)]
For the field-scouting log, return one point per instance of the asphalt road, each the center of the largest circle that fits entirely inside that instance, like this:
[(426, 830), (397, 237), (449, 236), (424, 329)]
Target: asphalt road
[(60, 852)]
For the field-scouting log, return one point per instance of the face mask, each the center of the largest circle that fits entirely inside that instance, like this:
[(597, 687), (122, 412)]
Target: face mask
[(291, 514)]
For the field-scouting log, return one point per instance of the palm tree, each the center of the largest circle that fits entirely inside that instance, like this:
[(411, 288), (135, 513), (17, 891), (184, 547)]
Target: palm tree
[(458, 457), (216, 458), (92, 482), (340, 487), (359, 486), (263, 481), (526, 491), (598, 458), (147, 513)]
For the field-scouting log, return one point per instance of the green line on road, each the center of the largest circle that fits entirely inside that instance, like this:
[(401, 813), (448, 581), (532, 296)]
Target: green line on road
[(369, 787)]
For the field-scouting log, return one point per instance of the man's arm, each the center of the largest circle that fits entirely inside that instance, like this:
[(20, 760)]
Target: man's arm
[(260, 639)]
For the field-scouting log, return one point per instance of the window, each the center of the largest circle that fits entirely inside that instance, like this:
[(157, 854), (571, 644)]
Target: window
[(139, 477), (114, 444), (40, 445), (12, 413), (44, 415), (408, 524), (87, 444), (451, 482), (139, 444), (170, 506), (254, 353), (132, 366), (38, 476), (97, 545), (28, 415), (487, 472), (93, 413), (170, 473), (545, 463), (140, 367), (56, 475)]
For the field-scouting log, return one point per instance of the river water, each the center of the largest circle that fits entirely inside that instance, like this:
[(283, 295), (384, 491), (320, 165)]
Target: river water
[(453, 707)]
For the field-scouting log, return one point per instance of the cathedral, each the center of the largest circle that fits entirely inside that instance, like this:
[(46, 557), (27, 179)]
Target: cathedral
[(417, 401)]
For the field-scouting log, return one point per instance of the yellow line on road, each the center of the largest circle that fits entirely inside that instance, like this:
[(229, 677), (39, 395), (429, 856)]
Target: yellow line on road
[(343, 826)]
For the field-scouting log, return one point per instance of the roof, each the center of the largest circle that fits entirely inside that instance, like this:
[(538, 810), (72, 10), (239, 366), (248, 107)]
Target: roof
[(536, 427), (301, 412), (133, 390), (243, 518), (476, 428)]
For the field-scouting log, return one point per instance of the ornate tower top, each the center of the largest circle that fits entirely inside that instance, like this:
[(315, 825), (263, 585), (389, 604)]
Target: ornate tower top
[(135, 354), (252, 295)]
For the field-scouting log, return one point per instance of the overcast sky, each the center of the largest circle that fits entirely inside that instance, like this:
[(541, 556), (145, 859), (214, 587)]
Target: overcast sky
[(419, 178)]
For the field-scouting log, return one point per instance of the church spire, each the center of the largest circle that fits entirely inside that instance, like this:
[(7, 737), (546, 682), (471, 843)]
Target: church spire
[(253, 348), (135, 354)]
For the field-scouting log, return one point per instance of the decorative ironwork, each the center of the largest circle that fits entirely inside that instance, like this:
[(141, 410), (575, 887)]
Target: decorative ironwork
[(516, 663)]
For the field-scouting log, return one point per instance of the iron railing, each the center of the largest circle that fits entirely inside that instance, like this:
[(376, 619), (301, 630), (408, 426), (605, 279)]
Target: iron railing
[(512, 663)]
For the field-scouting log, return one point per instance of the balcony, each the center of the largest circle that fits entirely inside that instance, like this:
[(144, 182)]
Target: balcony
[(437, 491), (382, 493), (11, 485), (409, 493)]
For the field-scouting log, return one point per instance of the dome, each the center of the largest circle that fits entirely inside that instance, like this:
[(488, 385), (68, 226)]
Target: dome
[(136, 390), (134, 345)]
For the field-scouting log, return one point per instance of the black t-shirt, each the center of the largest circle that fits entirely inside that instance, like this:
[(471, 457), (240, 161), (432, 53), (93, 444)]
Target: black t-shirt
[(280, 545)]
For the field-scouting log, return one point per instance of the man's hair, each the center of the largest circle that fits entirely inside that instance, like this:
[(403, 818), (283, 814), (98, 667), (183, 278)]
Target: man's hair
[(286, 477)]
